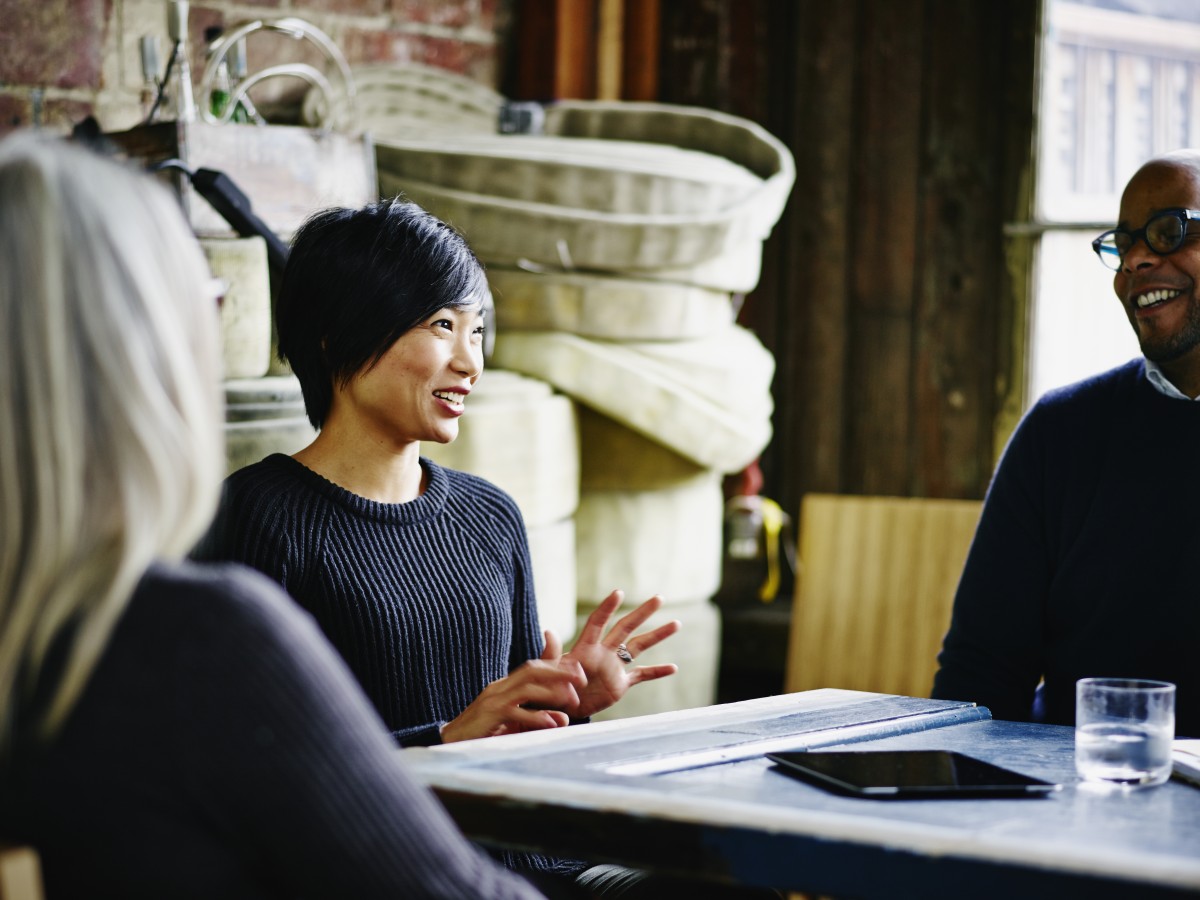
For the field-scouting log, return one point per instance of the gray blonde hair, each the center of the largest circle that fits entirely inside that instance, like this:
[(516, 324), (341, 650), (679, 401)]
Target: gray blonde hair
[(111, 446)]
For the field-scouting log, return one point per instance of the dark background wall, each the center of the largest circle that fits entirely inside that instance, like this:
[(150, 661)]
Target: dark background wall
[(886, 296)]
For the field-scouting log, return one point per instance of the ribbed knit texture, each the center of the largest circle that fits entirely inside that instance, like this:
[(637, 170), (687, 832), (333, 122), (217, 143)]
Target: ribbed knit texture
[(428, 601), (222, 749), (1086, 561)]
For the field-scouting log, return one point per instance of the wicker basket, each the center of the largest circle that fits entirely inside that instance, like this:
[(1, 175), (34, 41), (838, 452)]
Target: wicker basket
[(403, 100), (624, 187), (708, 400)]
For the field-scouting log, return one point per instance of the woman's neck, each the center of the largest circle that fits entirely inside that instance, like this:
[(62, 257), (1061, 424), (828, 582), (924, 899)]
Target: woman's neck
[(385, 475)]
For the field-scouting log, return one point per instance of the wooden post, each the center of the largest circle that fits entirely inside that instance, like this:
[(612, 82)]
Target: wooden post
[(640, 50), (587, 49)]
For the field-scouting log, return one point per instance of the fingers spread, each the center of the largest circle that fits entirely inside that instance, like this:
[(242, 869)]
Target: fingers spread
[(651, 673), (645, 641), (593, 629), (630, 622)]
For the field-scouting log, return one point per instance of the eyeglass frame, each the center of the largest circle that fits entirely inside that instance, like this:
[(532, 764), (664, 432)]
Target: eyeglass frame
[(1179, 213)]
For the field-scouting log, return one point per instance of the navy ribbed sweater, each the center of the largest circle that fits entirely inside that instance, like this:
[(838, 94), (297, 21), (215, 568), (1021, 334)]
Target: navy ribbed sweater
[(222, 749), (1086, 561), (428, 601)]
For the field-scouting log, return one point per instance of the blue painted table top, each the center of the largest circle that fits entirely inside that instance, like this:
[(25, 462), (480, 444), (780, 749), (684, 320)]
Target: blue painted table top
[(699, 780)]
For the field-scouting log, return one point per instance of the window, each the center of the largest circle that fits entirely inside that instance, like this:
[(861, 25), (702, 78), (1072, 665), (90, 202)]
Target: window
[(1121, 83)]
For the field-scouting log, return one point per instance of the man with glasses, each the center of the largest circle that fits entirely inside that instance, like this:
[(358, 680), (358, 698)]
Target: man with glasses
[(1086, 561)]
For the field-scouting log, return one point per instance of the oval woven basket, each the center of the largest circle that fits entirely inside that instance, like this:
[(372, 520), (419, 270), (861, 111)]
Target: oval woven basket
[(593, 194), (402, 100), (708, 400)]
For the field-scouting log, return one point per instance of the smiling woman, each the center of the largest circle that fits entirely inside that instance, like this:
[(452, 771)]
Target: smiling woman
[(415, 392), (419, 574)]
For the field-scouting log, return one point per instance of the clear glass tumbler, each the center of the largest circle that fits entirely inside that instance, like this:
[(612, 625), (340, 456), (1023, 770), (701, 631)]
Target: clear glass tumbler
[(1123, 730)]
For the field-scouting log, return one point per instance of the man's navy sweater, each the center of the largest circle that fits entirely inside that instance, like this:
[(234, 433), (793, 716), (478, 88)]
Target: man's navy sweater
[(1086, 561)]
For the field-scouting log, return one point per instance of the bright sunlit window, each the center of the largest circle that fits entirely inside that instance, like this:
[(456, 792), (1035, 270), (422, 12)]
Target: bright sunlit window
[(1121, 83)]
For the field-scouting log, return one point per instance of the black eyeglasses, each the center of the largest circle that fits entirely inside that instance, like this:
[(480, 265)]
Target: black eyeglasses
[(1163, 233)]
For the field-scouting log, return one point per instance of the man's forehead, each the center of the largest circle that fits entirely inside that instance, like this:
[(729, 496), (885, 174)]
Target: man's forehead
[(1166, 183)]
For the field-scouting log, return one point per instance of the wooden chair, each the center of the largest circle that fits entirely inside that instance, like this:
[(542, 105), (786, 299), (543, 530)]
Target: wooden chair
[(875, 584), (20, 873)]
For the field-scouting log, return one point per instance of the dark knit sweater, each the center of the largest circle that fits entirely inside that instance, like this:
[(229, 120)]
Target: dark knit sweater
[(222, 749), (1086, 561), (428, 601)]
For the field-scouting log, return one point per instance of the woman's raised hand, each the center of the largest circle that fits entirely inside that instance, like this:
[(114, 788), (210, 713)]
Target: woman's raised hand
[(599, 654)]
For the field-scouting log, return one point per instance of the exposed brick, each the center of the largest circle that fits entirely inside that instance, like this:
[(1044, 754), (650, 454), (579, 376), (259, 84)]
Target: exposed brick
[(119, 110), (352, 7), (482, 66), (466, 58), (362, 47), (279, 98), (53, 42), (62, 115), (396, 46), (141, 17), (446, 13), (269, 48), (478, 61), (71, 44), (200, 19), (15, 112), (488, 11)]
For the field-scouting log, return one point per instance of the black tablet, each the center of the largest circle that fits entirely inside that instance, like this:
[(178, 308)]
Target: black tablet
[(908, 774)]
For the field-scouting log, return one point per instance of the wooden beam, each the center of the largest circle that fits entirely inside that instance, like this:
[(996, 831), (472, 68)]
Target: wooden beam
[(555, 50), (610, 41), (575, 50), (640, 57)]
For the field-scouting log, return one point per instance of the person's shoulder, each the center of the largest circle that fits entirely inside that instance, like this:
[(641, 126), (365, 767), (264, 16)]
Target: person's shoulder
[(468, 484), (217, 603), (211, 589), (224, 621), (1065, 416), (275, 492), (258, 503), (273, 474), (1085, 413), (1085, 396), (467, 492)]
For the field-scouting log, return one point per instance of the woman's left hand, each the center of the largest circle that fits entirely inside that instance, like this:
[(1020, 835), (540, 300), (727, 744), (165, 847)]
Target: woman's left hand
[(608, 676)]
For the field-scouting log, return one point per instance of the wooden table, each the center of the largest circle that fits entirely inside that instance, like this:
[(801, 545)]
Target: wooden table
[(690, 791)]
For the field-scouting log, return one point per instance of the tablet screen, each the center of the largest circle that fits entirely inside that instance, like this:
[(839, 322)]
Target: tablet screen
[(908, 774)]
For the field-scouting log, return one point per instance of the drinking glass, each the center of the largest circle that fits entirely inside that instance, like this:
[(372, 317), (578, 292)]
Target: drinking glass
[(1123, 730)]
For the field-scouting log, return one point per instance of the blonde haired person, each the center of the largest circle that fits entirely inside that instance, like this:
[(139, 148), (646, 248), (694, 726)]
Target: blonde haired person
[(170, 729)]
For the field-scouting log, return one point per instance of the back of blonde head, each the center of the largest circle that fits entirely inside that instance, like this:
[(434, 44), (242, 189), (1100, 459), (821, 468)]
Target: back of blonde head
[(111, 448)]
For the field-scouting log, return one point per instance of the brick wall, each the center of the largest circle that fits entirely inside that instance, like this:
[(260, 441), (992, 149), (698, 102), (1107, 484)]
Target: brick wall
[(61, 60)]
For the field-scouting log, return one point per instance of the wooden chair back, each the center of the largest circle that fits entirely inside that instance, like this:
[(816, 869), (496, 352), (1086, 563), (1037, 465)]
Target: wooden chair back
[(874, 589), (20, 873)]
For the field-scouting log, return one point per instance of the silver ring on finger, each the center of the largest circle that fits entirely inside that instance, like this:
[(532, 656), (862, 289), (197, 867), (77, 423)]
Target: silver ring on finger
[(623, 654)]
